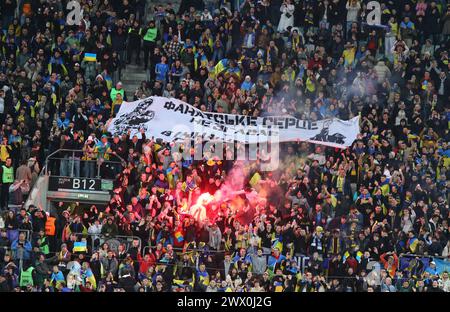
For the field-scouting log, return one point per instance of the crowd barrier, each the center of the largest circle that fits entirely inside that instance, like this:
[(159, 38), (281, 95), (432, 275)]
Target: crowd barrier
[(69, 163), (301, 260), (95, 242)]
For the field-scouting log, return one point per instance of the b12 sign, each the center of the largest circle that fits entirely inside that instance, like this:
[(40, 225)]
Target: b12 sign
[(75, 15)]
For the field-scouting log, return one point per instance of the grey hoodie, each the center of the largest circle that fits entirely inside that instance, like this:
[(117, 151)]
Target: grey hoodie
[(259, 264)]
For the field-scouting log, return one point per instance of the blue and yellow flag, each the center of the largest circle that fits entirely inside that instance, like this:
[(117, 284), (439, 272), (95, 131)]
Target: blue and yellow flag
[(109, 82), (80, 246), (412, 244), (90, 57), (276, 244), (221, 66), (346, 255)]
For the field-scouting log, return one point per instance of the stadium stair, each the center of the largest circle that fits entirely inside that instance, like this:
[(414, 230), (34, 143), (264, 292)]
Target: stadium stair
[(131, 78), (133, 75)]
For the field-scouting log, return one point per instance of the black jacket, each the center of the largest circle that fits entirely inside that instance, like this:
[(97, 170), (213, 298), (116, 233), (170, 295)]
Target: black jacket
[(127, 282)]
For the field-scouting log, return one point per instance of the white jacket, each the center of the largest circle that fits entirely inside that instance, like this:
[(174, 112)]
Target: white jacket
[(408, 222)]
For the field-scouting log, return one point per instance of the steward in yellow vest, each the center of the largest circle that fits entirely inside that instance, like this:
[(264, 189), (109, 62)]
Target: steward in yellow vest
[(6, 179), (26, 277), (7, 174)]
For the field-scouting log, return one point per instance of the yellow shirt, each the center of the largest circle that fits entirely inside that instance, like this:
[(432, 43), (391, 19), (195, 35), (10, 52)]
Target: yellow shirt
[(114, 104), (4, 154), (394, 28), (310, 85), (349, 55), (340, 184)]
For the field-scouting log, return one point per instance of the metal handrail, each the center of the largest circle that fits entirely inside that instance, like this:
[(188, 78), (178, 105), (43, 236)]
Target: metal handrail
[(91, 160), (73, 151), (300, 260), (198, 250), (122, 239), (403, 255)]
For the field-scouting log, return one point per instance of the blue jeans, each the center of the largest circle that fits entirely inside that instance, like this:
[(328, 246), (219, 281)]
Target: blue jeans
[(347, 28), (89, 168), (75, 163), (217, 55), (63, 167)]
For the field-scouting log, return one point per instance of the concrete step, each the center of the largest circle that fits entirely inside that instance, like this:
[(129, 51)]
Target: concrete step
[(134, 67), (133, 75), (127, 83), (130, 74), (134, 78)]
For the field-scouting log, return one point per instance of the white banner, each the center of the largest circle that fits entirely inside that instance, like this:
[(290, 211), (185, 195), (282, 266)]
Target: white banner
[(172, 119)]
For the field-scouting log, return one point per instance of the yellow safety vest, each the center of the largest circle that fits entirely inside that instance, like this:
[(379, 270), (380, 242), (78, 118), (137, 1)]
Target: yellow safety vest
[(26, 277), (8, 174)]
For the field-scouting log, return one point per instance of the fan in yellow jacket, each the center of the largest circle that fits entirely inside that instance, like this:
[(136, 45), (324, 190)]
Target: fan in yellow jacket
[(5, 149), (349, 54)]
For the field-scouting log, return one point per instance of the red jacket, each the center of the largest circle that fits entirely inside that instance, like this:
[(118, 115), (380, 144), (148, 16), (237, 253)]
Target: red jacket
[(146, 264), (84, 289), (391, 269), (351, 262), (314, 64)]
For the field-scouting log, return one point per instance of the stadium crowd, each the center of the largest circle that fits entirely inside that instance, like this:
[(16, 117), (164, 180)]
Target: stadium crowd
[(372, 217)]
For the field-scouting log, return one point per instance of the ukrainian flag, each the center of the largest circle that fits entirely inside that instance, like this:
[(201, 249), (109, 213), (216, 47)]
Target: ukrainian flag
[(203, 61), (276, 244), (234, 71), (90, 57), (80, 246), (359, 255), (221, 66), (203, 277), (91, 278), (346, 255), (109, 82), (413, 242)]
